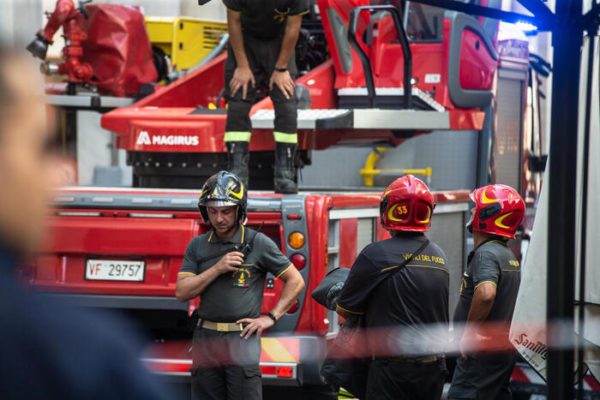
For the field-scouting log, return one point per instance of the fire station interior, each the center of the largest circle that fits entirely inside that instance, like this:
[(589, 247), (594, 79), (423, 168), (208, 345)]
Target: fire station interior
[(460, 94)]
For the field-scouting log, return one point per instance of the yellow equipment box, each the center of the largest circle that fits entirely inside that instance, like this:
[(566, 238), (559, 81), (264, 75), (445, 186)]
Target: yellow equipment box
[(185, 40)]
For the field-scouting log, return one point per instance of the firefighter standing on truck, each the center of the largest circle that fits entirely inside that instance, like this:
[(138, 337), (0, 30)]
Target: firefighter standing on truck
[(408, 297), (226, 267), (488, 295), (262, 37)]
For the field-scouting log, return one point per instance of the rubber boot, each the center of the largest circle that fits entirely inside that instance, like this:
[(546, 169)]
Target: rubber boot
[(285, 171), (237, 160)]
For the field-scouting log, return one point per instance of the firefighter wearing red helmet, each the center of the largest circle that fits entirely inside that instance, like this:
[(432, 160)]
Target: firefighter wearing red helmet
[(400, 288), (488, 295)]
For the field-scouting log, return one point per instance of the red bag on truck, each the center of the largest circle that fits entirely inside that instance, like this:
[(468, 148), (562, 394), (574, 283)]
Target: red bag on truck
[(118, 48)]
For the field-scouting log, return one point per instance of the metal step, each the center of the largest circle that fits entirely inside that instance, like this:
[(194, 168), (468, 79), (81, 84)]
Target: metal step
[(421, 99), (88, 101), (362, 118), (374, 118), (308, 119)]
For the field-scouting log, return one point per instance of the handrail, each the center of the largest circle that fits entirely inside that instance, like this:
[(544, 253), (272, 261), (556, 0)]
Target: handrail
[(366, 64), (369, 171)]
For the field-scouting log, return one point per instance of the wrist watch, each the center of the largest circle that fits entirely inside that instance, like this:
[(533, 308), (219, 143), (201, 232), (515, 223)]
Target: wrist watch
[(272, 316), (281, 69)]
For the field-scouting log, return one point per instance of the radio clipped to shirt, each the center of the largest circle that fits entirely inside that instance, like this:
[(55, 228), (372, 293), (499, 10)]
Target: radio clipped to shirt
[(244, 248), (243, 273)]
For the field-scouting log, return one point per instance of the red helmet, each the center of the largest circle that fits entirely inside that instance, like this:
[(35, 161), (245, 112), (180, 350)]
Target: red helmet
[(406, 205), (499, 210)]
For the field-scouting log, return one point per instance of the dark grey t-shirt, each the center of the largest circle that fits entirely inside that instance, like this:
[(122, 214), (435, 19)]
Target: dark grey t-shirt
[(491, 262), (412, 298), (239, 294), (265, 19)]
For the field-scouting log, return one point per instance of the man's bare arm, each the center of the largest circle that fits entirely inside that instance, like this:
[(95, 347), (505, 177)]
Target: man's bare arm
[(290, 37), (292, 287), (242, 76), (483, 300), (293, 283), (189, 287), (283, 80)]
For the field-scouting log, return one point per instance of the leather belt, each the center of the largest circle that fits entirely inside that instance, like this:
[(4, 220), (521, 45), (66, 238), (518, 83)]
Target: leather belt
[(221, 326)]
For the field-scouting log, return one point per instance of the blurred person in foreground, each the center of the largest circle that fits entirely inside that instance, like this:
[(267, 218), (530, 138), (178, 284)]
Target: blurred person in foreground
[(48, 349), (487, 296), (400, 285)]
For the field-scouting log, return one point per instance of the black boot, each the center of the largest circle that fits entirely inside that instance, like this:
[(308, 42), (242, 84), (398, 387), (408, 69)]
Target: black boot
[(237, 160), (285, 170)]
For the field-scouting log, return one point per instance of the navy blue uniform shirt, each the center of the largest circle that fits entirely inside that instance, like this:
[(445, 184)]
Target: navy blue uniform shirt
[(413, 299)]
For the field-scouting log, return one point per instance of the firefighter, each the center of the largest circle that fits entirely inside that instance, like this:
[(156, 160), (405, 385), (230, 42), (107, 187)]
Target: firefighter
[(226, 267), (488, 294), (400, 287), (49, 349), (262, 36)]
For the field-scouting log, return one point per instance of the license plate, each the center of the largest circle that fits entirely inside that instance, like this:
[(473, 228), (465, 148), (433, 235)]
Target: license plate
[(115, 270)]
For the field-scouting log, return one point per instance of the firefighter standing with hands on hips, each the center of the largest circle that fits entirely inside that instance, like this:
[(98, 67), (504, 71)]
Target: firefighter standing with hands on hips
[(400, 285), (226, 267), (488, 295), (262, 37)]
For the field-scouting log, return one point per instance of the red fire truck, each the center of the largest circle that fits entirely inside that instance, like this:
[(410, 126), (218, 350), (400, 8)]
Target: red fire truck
[(122, 249), (393, 73)]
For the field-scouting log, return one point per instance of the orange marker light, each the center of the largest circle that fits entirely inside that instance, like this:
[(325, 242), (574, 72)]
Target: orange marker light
[(296, 240)]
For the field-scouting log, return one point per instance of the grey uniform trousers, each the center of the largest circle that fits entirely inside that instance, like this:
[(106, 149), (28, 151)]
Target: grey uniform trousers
[(225, 366)]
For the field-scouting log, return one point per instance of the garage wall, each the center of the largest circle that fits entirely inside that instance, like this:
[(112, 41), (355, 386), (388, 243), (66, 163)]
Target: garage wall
[(451, 155), (20, 19), (335, 167), (214, 10)]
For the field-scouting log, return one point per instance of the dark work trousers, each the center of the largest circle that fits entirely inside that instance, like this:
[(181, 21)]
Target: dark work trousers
[(262, 57), (398, 380), (483, 377), (225, 366)]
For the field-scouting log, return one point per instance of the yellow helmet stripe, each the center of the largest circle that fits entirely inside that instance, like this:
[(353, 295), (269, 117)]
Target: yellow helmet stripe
[(426, 220), (240, 193), (487, 200), (500, 221)]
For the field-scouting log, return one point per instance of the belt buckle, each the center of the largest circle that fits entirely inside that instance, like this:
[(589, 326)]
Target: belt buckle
[(222, 327)]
